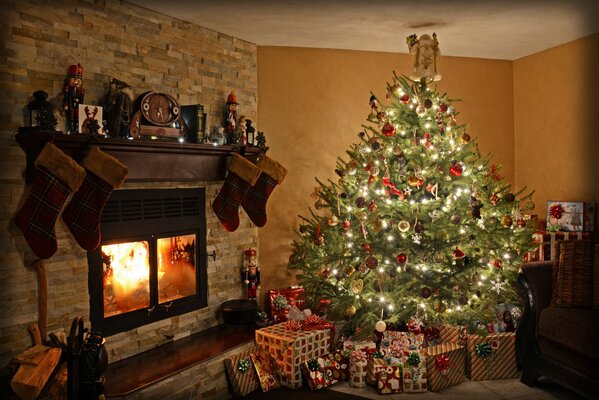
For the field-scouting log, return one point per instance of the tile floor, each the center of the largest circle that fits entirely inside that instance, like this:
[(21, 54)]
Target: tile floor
[(511, 389)]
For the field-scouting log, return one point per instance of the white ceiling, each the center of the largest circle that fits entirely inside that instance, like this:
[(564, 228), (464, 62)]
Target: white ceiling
[(507, 30)]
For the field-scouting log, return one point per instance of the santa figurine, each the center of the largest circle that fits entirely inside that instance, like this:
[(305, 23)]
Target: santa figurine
[(426, 57), (72, 91), (250, 274)]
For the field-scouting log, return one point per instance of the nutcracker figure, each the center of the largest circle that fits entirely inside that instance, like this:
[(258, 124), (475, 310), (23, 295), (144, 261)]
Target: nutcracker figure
[(250, 275), (72, 91)]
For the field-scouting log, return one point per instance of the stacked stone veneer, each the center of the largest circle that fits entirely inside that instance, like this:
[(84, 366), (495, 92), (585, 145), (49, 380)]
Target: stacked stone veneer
[(149, 51)]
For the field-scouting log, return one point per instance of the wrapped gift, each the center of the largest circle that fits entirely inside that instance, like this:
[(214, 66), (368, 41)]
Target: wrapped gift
[(546, 244), (454, 334), (317, 373), (314, 323), (571, 216), (290, 348), (394, 343), (265, 369), (281, 301), (338, 366), (414, 372), (358, 363), (389, 380), (367, 346), (375, 364), (432, 336), (491, 357), (242, 374), (445, 365)]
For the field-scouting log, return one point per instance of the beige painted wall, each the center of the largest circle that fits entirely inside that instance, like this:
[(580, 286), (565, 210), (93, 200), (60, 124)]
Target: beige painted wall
[(312, 103), (557, 137)]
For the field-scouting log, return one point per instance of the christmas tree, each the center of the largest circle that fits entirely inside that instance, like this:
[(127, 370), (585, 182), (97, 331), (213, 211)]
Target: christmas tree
[(419, 227)]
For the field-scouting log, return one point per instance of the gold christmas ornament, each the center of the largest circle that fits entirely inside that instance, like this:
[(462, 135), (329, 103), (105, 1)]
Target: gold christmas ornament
[(333, 221), (403, 226), (349, 271), (439, 307), (439, 258), (356, 286), (380, 326), (350, 311), (413, 180), (506, 221), (397, 150), (465, 138)]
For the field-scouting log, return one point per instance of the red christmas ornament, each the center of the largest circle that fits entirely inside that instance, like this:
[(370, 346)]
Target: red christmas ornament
[(345, 225), (366, 247), (443, 107), (405, 99), (496, 263), (401, 258), (458, 254), (455, 169), (385, 182), (388, 130)]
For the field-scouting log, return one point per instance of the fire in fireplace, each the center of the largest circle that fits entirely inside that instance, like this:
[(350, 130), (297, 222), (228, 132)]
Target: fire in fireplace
[(152, 262)]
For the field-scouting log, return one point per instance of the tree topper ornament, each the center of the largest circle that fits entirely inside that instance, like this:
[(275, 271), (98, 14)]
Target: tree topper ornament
[(426, 57)]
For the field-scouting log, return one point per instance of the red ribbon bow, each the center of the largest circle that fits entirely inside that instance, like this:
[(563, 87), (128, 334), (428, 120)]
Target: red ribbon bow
[(442, 363)]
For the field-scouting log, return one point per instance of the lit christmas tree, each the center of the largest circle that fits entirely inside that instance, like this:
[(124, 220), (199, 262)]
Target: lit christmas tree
[(419, 228)]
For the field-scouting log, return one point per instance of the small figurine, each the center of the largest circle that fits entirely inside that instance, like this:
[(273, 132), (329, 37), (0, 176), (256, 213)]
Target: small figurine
[(250, 274), (73, 96), (231, 113), (240, 130), (260, 139), (90, 125), (426, 60), (217, 136), (374, 109), (118, 104)]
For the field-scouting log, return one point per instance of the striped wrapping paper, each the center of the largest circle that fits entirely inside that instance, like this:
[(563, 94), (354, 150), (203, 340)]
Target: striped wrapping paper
[(291, 348), (546, 242), (243, 383), (374, 366), (500, 364), (454, 334), (456, 373)]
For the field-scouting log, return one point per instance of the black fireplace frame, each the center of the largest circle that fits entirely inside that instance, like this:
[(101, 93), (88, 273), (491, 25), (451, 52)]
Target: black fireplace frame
[(149, 214)]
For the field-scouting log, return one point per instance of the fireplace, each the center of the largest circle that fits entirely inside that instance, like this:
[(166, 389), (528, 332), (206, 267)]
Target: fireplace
[(152, 261)]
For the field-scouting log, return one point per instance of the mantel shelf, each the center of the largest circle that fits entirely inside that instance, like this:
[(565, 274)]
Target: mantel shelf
[(147, 160)]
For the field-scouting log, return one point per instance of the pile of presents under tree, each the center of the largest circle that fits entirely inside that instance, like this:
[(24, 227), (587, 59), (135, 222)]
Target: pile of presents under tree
[(302, 348)]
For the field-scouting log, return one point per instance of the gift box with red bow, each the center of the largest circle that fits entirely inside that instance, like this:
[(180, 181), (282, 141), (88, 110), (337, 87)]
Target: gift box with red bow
[(445, 365), (281, 301)]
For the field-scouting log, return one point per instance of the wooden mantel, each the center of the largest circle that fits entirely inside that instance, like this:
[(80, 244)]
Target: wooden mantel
[(147, 160)]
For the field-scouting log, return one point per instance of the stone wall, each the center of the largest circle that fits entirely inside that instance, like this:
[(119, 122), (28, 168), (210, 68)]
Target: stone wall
[(149, 51)]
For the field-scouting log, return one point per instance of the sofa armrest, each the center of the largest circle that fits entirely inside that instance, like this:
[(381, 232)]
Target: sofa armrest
[(539, 277)]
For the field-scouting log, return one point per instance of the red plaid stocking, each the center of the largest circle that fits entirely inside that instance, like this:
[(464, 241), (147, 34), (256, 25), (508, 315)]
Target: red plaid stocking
[(242, 175), (56, 177), (83, 213), (254, 203)]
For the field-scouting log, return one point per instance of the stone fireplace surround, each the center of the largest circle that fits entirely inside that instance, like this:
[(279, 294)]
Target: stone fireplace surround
[(223, 275)]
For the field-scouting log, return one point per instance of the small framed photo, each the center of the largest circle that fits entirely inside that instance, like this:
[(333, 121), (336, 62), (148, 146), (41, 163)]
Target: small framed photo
[(90, 120)]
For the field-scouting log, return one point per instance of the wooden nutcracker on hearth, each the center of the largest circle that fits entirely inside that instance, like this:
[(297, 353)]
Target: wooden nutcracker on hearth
[(72, 91), (250, 275)]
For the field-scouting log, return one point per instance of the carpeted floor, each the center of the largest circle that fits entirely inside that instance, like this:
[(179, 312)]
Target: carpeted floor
[(284, 393)]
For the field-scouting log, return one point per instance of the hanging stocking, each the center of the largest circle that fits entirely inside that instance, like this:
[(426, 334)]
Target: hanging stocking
[(254, 203), (56, 177), (242, 175), (83, 213)]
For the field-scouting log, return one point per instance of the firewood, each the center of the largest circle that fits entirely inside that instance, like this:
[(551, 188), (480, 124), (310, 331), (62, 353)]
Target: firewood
[(31, 356), (30, 379)]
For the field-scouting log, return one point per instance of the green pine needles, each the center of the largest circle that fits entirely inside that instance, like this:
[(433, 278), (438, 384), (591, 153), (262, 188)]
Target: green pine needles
[(419, 225)]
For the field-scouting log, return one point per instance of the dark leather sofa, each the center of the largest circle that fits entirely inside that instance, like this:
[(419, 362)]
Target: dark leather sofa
[(561, 343)]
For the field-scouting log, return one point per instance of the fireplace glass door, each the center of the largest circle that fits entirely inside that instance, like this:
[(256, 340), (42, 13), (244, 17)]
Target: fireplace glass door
[(152, 262)]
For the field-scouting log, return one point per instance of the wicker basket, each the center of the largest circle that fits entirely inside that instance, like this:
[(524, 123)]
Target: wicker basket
[(573, 283)]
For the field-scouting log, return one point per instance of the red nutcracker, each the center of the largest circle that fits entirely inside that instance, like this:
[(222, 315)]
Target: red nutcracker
[(72, 91), (250, 274)]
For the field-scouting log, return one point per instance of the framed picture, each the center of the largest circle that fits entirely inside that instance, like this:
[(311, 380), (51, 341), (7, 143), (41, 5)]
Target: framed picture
[(90, 120)]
